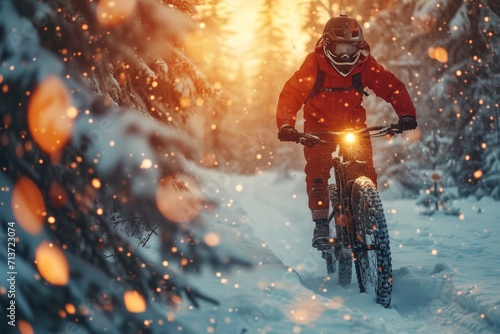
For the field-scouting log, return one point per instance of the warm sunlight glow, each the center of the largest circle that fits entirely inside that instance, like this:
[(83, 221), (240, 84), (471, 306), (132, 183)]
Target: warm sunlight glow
[(179, 198), (52, 264), (51, 115), (134, 301), (28, 206), (245, 23), (114, 12), (201, 46)]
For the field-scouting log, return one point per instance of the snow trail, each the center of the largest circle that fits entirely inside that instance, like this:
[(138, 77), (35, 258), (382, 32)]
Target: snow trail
[(445, 268)]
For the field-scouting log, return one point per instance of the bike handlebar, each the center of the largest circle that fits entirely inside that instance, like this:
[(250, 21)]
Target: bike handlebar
[(312, 138)]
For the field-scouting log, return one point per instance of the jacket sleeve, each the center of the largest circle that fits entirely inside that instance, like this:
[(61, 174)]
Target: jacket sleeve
[(388, 87), (295, 92)]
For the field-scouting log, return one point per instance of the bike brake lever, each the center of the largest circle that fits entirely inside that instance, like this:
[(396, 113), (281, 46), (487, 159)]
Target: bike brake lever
[(394, 131), (389, 131), (311, 140)]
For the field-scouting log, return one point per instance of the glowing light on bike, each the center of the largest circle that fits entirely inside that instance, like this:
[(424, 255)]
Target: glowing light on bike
[(350, 138)]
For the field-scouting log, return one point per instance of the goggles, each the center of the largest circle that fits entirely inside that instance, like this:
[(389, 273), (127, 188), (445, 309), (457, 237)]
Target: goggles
[(341, 49)]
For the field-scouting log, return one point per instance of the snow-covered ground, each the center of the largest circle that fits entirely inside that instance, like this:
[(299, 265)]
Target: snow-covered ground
[(446, 268)]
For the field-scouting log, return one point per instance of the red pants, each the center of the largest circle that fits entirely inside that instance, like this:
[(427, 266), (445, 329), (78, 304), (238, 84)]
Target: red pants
[(317, 169)]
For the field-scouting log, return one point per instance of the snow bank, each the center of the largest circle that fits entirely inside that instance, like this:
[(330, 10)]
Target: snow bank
[(445, 268)]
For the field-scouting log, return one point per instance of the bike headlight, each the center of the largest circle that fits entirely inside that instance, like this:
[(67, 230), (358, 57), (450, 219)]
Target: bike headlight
[(349, 138)]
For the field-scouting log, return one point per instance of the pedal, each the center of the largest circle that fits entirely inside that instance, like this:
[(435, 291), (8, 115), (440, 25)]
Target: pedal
[(327, 252), (330, 259)]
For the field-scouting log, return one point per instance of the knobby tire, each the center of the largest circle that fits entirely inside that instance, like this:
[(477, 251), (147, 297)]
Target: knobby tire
[(372, 250)]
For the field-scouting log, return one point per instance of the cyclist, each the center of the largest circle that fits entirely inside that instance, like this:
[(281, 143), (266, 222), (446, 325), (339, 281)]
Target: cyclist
[(330, 83)]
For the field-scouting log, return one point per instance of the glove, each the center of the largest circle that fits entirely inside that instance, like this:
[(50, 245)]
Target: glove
[(288, 133), (407, 122)]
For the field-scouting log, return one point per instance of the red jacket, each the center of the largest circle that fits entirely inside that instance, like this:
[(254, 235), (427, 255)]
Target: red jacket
[(338, 110)]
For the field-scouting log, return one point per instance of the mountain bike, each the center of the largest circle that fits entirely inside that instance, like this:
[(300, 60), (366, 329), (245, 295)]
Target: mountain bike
[(358, 229)]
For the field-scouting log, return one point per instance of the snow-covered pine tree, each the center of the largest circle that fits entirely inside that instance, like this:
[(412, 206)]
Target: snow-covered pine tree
[(216, 61), (79, 103), (315, 17), (458, 46), (272, 47)]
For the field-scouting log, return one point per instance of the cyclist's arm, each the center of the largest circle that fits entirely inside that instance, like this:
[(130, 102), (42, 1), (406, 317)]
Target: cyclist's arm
[(387, 86), (295, 92)]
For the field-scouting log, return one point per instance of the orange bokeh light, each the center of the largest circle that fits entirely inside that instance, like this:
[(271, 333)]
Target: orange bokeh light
[(70, 308), (439, 54), (134, 301), (211, 239), (48, 119), (25, 327), (114, 12), (58, 195), (179, 198), (304, 312), (52, 264), (28, 206)]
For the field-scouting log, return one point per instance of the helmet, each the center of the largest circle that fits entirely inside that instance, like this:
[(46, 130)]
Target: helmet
[(342, 43)]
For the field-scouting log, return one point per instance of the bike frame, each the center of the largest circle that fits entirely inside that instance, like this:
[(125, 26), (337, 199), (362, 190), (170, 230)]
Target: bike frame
[(346, 172)]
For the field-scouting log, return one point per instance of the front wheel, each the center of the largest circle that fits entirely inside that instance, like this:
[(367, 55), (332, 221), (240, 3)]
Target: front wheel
[(371, 245)]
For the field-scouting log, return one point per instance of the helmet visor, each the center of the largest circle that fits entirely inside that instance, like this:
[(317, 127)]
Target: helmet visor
[(342, 56), (343, 53), (341, 49)]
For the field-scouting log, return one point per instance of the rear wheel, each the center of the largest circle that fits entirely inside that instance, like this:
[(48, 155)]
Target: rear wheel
[(339, 233), (371, 244)]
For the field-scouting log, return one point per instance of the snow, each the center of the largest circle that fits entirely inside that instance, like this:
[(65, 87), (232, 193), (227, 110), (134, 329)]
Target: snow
[(446, 268)]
